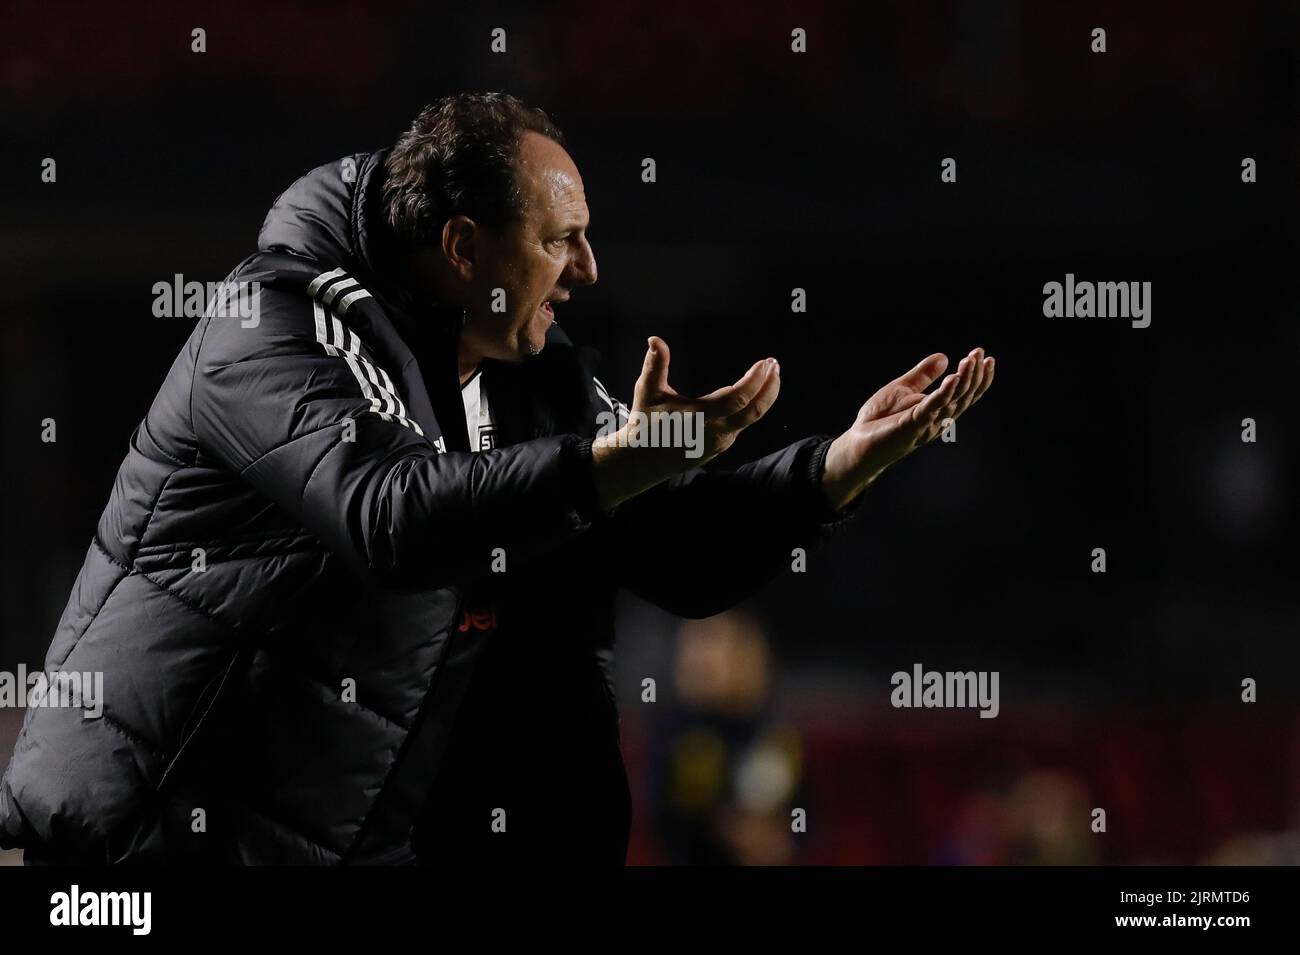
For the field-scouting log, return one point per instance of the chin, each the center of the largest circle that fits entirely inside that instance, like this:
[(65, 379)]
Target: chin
[(523, 347), (532, 340)]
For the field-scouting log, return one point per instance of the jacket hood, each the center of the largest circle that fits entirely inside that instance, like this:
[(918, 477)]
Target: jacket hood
[(333, 215)]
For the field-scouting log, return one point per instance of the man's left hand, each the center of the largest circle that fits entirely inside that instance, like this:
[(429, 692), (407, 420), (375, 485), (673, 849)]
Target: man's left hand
[(898, 419)]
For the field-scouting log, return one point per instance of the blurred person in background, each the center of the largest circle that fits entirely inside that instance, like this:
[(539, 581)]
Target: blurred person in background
[(1033, 821), (727, 772)]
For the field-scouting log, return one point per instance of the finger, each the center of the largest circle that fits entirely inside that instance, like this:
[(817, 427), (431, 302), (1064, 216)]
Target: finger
[(657, 359), (988, 378), (973, 394), (924, 374), (717, 393), (946, 409), (975, 376), (653, 381), (976, 394), (927, 411), (966, 368), (725, 402), (764, 400)]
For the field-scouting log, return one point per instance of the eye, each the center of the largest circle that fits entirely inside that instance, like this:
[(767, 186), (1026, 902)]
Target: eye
[(557, 242)]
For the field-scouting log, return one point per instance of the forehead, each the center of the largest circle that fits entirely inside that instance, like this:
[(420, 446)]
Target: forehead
[(550, 182)]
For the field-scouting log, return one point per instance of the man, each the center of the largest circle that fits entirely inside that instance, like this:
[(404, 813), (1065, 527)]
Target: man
[(352, 592)]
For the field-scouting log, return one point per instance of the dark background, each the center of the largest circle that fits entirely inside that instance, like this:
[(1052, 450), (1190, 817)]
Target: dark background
[(778, 170)]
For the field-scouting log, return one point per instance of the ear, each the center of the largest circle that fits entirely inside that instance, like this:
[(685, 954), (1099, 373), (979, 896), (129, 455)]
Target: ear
[(458, 245)]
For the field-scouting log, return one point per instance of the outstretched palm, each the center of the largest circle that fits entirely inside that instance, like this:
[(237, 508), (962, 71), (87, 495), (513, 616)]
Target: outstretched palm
[(901, 417)]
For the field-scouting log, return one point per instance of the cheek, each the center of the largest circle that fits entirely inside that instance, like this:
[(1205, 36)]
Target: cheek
[(537, 278), (527, 273)]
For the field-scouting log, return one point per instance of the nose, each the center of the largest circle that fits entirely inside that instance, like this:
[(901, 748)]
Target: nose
[(582, 268)]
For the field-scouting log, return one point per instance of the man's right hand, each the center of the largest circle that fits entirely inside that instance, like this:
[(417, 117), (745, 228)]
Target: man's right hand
[(625, 466)]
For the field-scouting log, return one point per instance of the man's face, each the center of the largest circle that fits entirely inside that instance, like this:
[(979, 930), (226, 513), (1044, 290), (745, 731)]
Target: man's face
[(535, 261)]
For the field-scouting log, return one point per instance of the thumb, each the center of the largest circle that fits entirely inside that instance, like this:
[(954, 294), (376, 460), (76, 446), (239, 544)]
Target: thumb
[(653, 382)]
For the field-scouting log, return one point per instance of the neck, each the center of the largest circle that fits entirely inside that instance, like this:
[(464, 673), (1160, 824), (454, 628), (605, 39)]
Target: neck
[(424, 276), (468, 365), (421, 275)]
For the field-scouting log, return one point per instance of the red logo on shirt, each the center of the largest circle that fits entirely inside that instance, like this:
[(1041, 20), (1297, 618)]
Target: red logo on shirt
[(478, 620)]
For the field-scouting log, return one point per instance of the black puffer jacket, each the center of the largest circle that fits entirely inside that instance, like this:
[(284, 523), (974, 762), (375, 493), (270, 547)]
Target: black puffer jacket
[(294, 577)]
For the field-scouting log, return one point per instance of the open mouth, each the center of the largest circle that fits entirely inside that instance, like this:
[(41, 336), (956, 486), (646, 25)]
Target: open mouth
[(548, 306)]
